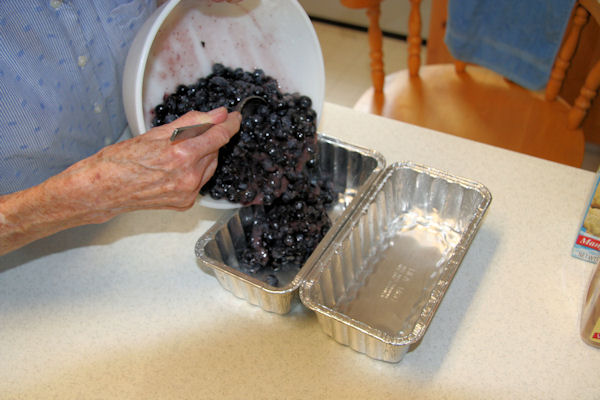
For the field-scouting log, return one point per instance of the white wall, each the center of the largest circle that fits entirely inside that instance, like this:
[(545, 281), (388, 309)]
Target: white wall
[(394, 14)]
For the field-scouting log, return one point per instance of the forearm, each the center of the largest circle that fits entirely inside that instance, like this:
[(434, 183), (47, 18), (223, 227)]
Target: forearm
[(54, 205)]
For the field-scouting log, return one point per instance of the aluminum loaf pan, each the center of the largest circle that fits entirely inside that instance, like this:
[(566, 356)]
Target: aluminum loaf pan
[(352, 170), (378, 285)]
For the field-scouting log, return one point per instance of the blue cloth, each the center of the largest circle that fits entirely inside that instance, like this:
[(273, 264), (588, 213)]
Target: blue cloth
[(515, 38), (61, 65)]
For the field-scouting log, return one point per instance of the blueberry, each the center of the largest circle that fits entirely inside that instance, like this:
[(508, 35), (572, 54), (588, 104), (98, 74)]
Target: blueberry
[(171, 103), (289, 240), (218, 69), (268, 199), (160, 111), (305, 102), (238, 73), (181, 90), (272, 280), (248, 196), (218, 81), (170, 118)]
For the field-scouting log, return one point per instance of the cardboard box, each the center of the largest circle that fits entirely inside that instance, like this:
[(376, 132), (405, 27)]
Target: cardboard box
[(587, 243)]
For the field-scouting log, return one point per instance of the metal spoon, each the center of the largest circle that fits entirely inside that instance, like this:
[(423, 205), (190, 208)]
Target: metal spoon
[(246, 106)]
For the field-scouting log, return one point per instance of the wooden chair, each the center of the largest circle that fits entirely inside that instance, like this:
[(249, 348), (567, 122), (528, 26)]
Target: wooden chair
[(478, 104)]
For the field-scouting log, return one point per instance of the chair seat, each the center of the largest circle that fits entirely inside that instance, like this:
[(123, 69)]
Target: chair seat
[(483, 106)]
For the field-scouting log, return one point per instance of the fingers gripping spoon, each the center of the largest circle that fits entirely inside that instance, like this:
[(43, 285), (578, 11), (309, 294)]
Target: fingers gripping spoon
[(247, 106)]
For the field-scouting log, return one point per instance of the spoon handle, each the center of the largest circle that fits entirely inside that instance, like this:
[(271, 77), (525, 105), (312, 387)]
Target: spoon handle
[(186, 132)]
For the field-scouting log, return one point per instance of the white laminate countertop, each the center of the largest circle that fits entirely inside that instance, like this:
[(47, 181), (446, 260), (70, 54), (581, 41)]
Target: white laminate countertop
[(122, 310)]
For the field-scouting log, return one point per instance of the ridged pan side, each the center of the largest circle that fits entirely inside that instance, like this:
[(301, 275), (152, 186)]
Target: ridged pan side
[(360, 341), (379, 284)]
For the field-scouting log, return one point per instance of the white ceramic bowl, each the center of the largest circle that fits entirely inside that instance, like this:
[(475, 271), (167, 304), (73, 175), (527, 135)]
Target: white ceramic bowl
[(182, 39)]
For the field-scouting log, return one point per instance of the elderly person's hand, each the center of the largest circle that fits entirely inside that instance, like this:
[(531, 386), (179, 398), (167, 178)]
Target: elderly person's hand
[(145, 172)]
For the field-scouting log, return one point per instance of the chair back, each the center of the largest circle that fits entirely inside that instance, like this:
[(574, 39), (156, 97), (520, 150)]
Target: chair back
[(470, 101)]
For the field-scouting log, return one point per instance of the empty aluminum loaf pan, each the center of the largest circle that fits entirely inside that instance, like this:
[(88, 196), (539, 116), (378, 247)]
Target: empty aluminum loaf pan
[(377, 287), (351, 169)]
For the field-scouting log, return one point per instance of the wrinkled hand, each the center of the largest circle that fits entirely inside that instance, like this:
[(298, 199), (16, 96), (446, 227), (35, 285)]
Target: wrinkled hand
[(145, 172), (149, 171)]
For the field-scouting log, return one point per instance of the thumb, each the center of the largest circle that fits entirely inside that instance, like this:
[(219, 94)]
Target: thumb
[(216, 137), (216, 116)]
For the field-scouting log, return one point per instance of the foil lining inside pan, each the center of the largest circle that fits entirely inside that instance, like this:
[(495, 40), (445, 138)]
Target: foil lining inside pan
[(378, 285), (350, 168)]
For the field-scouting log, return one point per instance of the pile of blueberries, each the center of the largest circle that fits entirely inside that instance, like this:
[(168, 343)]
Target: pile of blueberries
[(271, 162), (285, 233)]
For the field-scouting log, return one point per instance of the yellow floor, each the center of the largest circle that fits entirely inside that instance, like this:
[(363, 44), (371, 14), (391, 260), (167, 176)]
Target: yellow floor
[(346, 57), (347, 70)]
